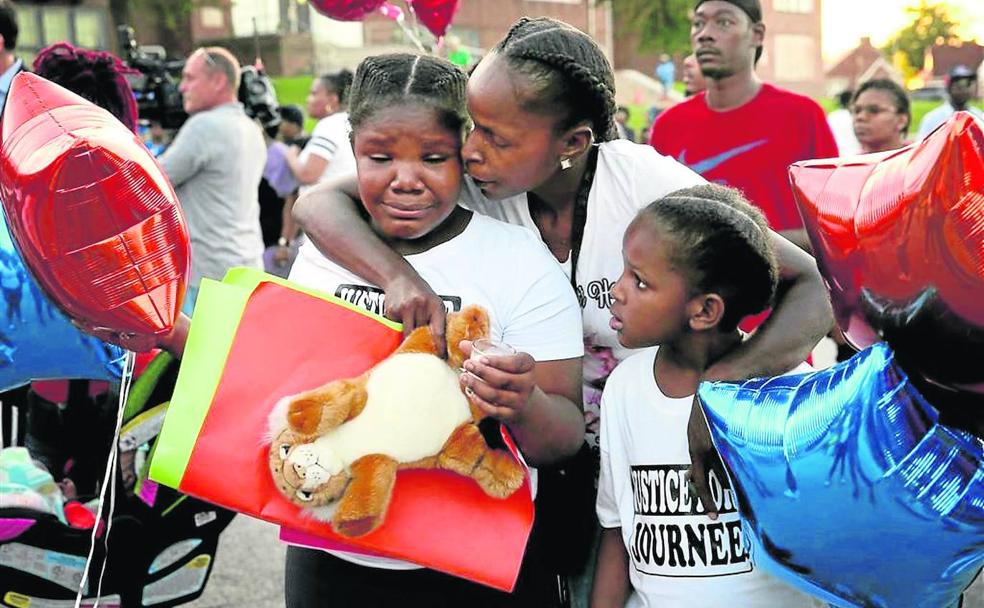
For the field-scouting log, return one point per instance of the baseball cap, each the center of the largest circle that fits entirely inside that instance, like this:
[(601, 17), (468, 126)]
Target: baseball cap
[(961, 71), (752, 8)]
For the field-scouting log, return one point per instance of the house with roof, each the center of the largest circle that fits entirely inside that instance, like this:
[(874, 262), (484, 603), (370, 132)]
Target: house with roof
[(862, 63)]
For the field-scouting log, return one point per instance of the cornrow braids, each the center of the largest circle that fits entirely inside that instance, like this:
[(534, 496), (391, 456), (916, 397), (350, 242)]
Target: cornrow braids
[(339, 83), (568, 70), (721, 244), (382, 81)]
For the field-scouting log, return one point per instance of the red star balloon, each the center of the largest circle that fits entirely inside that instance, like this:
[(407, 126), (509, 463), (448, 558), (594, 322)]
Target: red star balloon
[(899, 237), (93, 215), (436, 15), (346, 10)]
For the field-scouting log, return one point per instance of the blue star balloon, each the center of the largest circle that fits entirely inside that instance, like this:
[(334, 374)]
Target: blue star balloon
[(37, 341), (849, 487)]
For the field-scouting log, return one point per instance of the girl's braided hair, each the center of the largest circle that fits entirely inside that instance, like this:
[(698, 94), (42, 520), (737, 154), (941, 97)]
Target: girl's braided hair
[(721, 244), (386, 80), (568, 70)]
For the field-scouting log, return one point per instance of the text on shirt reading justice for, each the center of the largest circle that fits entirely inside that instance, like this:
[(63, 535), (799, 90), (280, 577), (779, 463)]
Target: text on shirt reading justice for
[(672, 536)]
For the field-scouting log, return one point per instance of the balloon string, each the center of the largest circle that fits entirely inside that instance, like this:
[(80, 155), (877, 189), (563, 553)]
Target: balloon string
[(109, 482), (411, 33)]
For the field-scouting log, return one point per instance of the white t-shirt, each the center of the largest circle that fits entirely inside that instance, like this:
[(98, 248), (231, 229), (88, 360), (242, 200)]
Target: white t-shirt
[(629, 176), (505, 269), (842, 126), (939, 115), (330, 141), (678, 557)]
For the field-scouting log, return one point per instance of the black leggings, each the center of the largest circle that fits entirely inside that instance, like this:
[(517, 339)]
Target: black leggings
[(315, 579)]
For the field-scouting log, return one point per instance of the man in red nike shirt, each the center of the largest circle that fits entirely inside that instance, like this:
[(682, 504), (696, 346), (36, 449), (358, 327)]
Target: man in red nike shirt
[(740, 131)]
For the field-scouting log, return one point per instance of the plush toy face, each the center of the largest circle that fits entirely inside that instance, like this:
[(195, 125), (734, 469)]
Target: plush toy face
[(300, 475), (343, 442)]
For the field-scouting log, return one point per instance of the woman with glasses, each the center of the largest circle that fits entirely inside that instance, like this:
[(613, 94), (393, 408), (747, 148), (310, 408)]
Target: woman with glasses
[(880, 109)]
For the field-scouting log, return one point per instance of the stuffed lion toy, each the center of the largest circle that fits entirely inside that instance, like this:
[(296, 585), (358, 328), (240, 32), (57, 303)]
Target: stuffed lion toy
[(336, 449)]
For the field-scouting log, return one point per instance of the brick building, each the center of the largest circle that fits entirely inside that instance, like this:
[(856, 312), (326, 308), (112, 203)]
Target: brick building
[(863, 63), (92, 24), (792, 55), (480, 24)]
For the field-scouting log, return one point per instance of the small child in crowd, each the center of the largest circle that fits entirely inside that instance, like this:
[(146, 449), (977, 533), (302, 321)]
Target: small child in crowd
[(695, 263)]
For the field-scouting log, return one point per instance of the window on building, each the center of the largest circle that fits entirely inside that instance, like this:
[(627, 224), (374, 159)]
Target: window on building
[(794, 57), (82, 26), (56, 24), (793, 6), (212, 17), (28, 20), (90, 29)]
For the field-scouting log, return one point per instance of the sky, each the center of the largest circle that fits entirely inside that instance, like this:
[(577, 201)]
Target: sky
[(846, 21)]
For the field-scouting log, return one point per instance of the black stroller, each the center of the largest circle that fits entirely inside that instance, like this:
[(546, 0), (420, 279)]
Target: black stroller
[(161, 544)]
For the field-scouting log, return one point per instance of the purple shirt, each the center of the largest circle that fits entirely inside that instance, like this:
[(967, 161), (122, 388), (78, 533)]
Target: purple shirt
[(277, 172)]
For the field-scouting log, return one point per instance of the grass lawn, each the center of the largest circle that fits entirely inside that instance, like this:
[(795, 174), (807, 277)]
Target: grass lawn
[(294, 90)]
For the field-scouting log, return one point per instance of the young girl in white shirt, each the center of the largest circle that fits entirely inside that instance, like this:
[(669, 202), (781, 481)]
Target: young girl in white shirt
[(408, 122), (695, 263)]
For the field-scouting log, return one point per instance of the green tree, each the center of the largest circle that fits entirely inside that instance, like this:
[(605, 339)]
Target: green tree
[(173, 18), (930, 22), (661, 25)]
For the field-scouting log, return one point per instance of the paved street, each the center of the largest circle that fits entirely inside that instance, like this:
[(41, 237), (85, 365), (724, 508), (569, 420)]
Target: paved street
[(249, 568)]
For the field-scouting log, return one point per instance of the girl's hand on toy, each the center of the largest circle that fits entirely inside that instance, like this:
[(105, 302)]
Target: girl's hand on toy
[(500, 385), (413, 303)]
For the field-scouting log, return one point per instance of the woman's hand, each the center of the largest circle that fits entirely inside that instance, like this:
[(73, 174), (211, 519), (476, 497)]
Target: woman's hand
[(172, 342), (500, 385), (703, 458), (281, 255), (411, 301)]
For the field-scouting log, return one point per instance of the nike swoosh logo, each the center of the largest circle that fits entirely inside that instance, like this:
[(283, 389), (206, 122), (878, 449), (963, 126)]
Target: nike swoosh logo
[(712, 162)]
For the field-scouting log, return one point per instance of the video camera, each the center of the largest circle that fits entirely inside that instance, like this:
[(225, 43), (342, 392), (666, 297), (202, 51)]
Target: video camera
[(158, 97)]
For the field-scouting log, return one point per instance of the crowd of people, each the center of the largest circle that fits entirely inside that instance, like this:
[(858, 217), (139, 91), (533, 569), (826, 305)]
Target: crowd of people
[(623, 273)]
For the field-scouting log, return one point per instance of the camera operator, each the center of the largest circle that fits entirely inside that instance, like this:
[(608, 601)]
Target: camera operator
[(215, 164)]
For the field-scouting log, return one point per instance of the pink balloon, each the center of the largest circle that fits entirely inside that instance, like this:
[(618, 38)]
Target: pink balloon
[(391, 11), (346, 10), (436, 15)]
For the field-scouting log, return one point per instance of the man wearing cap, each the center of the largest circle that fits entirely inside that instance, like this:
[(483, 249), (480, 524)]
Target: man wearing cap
[(961, 87), (740, 131)]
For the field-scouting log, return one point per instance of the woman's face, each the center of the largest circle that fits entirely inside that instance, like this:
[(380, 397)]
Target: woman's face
[(877, 123), (320, 102), (409, 167), (511, 150)]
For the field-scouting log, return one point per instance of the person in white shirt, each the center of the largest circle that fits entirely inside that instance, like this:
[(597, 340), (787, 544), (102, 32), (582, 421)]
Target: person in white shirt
[(961, 87), (9, 63), (842, 125), (408, 119), (328, 152), (696, 262)]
